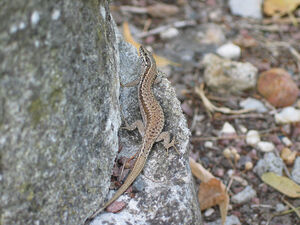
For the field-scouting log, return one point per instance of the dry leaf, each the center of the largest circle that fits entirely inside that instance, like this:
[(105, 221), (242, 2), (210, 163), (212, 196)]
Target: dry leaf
[(281, 7), (160, 61), (161, 10), (211, 190), (282, 184), (211, 193), (128, 37)]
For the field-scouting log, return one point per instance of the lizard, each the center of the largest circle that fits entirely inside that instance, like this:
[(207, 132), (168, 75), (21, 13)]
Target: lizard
[(150, 127)]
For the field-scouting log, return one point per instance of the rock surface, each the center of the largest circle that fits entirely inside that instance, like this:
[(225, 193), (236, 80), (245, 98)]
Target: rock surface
[(60, 65), (246, 8)]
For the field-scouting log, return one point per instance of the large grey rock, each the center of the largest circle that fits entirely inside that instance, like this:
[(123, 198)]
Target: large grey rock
[(59, 119)]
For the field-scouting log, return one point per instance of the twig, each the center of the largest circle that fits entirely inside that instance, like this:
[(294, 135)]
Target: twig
[(212, 108), (291, 206), (177, 24), (132, 9)]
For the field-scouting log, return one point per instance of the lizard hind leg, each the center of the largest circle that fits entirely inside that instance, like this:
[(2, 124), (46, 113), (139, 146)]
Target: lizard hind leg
[(165, 137)]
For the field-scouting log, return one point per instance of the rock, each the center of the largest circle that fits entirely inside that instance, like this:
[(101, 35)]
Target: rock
[(229, 51), (286, 141), (252, 137), (169, 33), (278, 87), (208, 144), (213, 34), (244, 196), (296, 171), (59, 86), (161, 10), (254, 104), (246, 8), (288, 115), (280, 207), (288, 156), (270, 163), (230, 220), (265, 146), (209, 212), (228, 129), (225, 76)]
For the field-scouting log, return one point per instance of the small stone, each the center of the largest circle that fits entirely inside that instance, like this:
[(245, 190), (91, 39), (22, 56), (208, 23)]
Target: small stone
[(286, 141), (209, 212), (265, 146), (225, 76), (213, 34), (244, 196), (227, 129), (229, 51), (288, 115), (296, 170), (208, 144), (22, 26), (270, 163), (169, 33), (35, 18), (248, 166), (55, 14), (254, 104), (13, 29), (280, 207), (246, 8), (278, 87), (243, 129), (252, 137), (288, 156)]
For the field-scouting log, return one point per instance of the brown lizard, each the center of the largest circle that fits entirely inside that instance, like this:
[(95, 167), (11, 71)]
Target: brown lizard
[(151, 127)]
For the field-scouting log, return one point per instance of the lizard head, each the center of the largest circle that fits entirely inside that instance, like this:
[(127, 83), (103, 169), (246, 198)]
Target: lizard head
[(146, 56)]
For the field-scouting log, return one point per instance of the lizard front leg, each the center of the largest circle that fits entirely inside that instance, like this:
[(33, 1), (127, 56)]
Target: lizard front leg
[(165, 137)]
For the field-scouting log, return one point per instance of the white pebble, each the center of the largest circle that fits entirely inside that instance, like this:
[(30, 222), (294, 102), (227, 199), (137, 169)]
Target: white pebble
[(229, 51), (243, 129), (288, 115), (22, 26), (13, 29), (209, 212), (265, 146), (254, 104), (35, 18), (286, 141), (208, 144), (252, 137), (169, 33), (244, 196), (228, 129), (55, 15)]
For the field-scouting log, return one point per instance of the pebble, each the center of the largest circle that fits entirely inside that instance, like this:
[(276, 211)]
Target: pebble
[(208, 144), (225, 76), (296, 170), (55, 14), (270, 163), (286, 141), (244, 196), (265, 146), (254, 104), (280, 207), (35, 18), (169, 33), (278, 87), (243, 129), (229, 51), (252, 137), (246, 8), (288, 115), (227, 129), (209, 212), (213, 34), (230, 220)]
